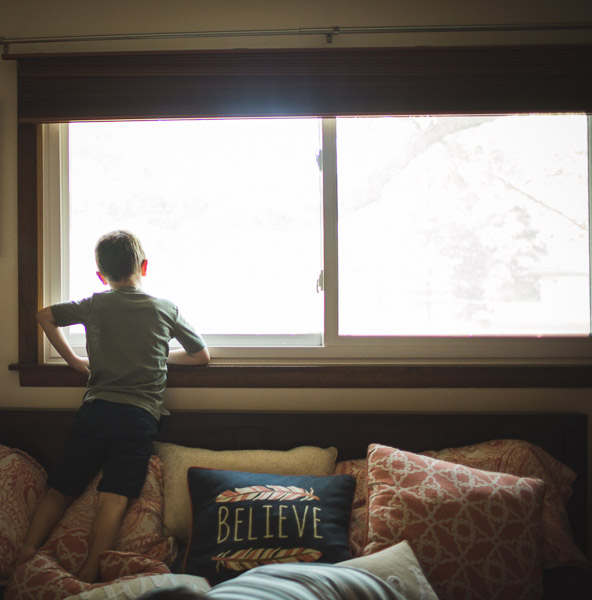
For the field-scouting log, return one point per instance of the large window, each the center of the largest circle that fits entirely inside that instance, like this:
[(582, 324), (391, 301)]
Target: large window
[(356, 237)]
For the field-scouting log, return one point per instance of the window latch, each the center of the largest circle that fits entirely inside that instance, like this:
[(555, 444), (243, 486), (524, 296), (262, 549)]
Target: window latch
[(321, 282), (320, 160)]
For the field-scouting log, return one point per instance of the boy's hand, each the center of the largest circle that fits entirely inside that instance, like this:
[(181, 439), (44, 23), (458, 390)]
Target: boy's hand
[(80, 363)]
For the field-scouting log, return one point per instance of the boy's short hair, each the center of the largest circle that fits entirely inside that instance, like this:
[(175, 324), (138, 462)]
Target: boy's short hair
[(119, 254)]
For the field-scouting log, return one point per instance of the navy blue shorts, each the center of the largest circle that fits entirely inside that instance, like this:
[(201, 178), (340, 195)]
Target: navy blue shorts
[(110, 436)]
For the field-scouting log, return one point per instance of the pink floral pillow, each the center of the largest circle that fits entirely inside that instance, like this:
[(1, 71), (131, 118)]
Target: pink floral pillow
[(141, 527), (22, 484), (476, 534)]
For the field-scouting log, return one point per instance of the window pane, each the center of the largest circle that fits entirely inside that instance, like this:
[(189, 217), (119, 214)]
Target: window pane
[(463, 225), (228, 211)]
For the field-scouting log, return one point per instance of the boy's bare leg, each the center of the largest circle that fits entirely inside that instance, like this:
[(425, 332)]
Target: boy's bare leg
[(47, 514), (104, 532)]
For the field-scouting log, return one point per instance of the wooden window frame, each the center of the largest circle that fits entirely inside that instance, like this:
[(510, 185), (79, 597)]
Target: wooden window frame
[(320, 82)]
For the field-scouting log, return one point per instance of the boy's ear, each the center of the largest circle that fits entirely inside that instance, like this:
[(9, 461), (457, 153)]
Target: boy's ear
[(144, 267), (102, 278)]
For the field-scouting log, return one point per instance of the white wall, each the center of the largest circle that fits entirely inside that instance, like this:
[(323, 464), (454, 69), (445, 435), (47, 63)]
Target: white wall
[(33, 18)]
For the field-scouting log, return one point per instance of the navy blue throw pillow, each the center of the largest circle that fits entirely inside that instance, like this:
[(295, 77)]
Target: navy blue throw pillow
[(243, 520)]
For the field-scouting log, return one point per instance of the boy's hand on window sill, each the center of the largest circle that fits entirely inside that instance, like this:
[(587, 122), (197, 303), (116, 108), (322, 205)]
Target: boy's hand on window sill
[(80, 364)]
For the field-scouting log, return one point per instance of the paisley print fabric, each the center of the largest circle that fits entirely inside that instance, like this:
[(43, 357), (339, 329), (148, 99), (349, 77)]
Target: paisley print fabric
[(140, 548), (22, 485), (141, 527), (50, 575)]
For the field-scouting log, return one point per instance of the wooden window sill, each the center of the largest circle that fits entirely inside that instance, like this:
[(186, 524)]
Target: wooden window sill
[(338, 376)]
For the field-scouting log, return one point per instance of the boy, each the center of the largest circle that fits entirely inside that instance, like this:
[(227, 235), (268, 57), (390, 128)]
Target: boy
[(127, 334)]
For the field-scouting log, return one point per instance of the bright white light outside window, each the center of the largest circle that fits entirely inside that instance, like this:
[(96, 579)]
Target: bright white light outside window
[(463, 225), (228, 212), (447, 226)]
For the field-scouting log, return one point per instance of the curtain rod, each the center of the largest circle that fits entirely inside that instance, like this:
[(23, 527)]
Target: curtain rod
[(329, 32)]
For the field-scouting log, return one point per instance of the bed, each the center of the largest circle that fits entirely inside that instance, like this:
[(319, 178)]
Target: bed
[(563, 436)]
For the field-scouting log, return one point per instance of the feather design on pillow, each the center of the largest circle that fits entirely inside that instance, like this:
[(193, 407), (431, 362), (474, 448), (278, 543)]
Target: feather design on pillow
[(269, 492), (245, 559)]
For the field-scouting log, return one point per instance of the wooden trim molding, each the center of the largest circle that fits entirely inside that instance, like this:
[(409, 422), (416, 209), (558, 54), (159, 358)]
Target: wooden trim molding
[(29, 265), (304, 82), (337, 376), (61, 87)]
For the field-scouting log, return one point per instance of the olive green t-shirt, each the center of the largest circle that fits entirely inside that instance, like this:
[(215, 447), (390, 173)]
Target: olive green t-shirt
[(127, 340)]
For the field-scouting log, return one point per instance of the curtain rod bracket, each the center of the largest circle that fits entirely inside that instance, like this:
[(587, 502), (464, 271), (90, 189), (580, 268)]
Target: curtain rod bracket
[(330, 35)]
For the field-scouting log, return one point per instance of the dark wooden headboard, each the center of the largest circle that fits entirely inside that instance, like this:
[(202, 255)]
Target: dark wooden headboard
[(564, 436)]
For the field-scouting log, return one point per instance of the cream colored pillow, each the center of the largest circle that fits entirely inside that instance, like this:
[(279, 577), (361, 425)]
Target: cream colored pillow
[(397, 566), (304, 460), (142, 584)]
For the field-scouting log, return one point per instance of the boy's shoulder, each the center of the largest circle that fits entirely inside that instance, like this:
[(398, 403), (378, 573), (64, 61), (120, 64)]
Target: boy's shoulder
[(131, 295)]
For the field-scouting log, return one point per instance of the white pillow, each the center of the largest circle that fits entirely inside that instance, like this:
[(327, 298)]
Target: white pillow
[(133, 588), (176, 460), (397, 566)]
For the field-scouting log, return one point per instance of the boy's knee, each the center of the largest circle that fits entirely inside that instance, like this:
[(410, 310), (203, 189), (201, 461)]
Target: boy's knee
[(111, 501)]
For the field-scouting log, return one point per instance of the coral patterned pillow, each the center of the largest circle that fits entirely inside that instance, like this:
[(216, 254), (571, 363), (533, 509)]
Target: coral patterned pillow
[(141, 527), (357, 527), (22, 484), (515, 457), (475, 533), (528, 460)]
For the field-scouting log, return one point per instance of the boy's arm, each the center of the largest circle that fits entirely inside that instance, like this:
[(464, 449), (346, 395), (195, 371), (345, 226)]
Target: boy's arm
[(180, 357), (56, 337)]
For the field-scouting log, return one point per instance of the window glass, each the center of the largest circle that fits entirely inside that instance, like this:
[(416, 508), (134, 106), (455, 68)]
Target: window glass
[(228, 211), (447, 226), (463, 225)]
